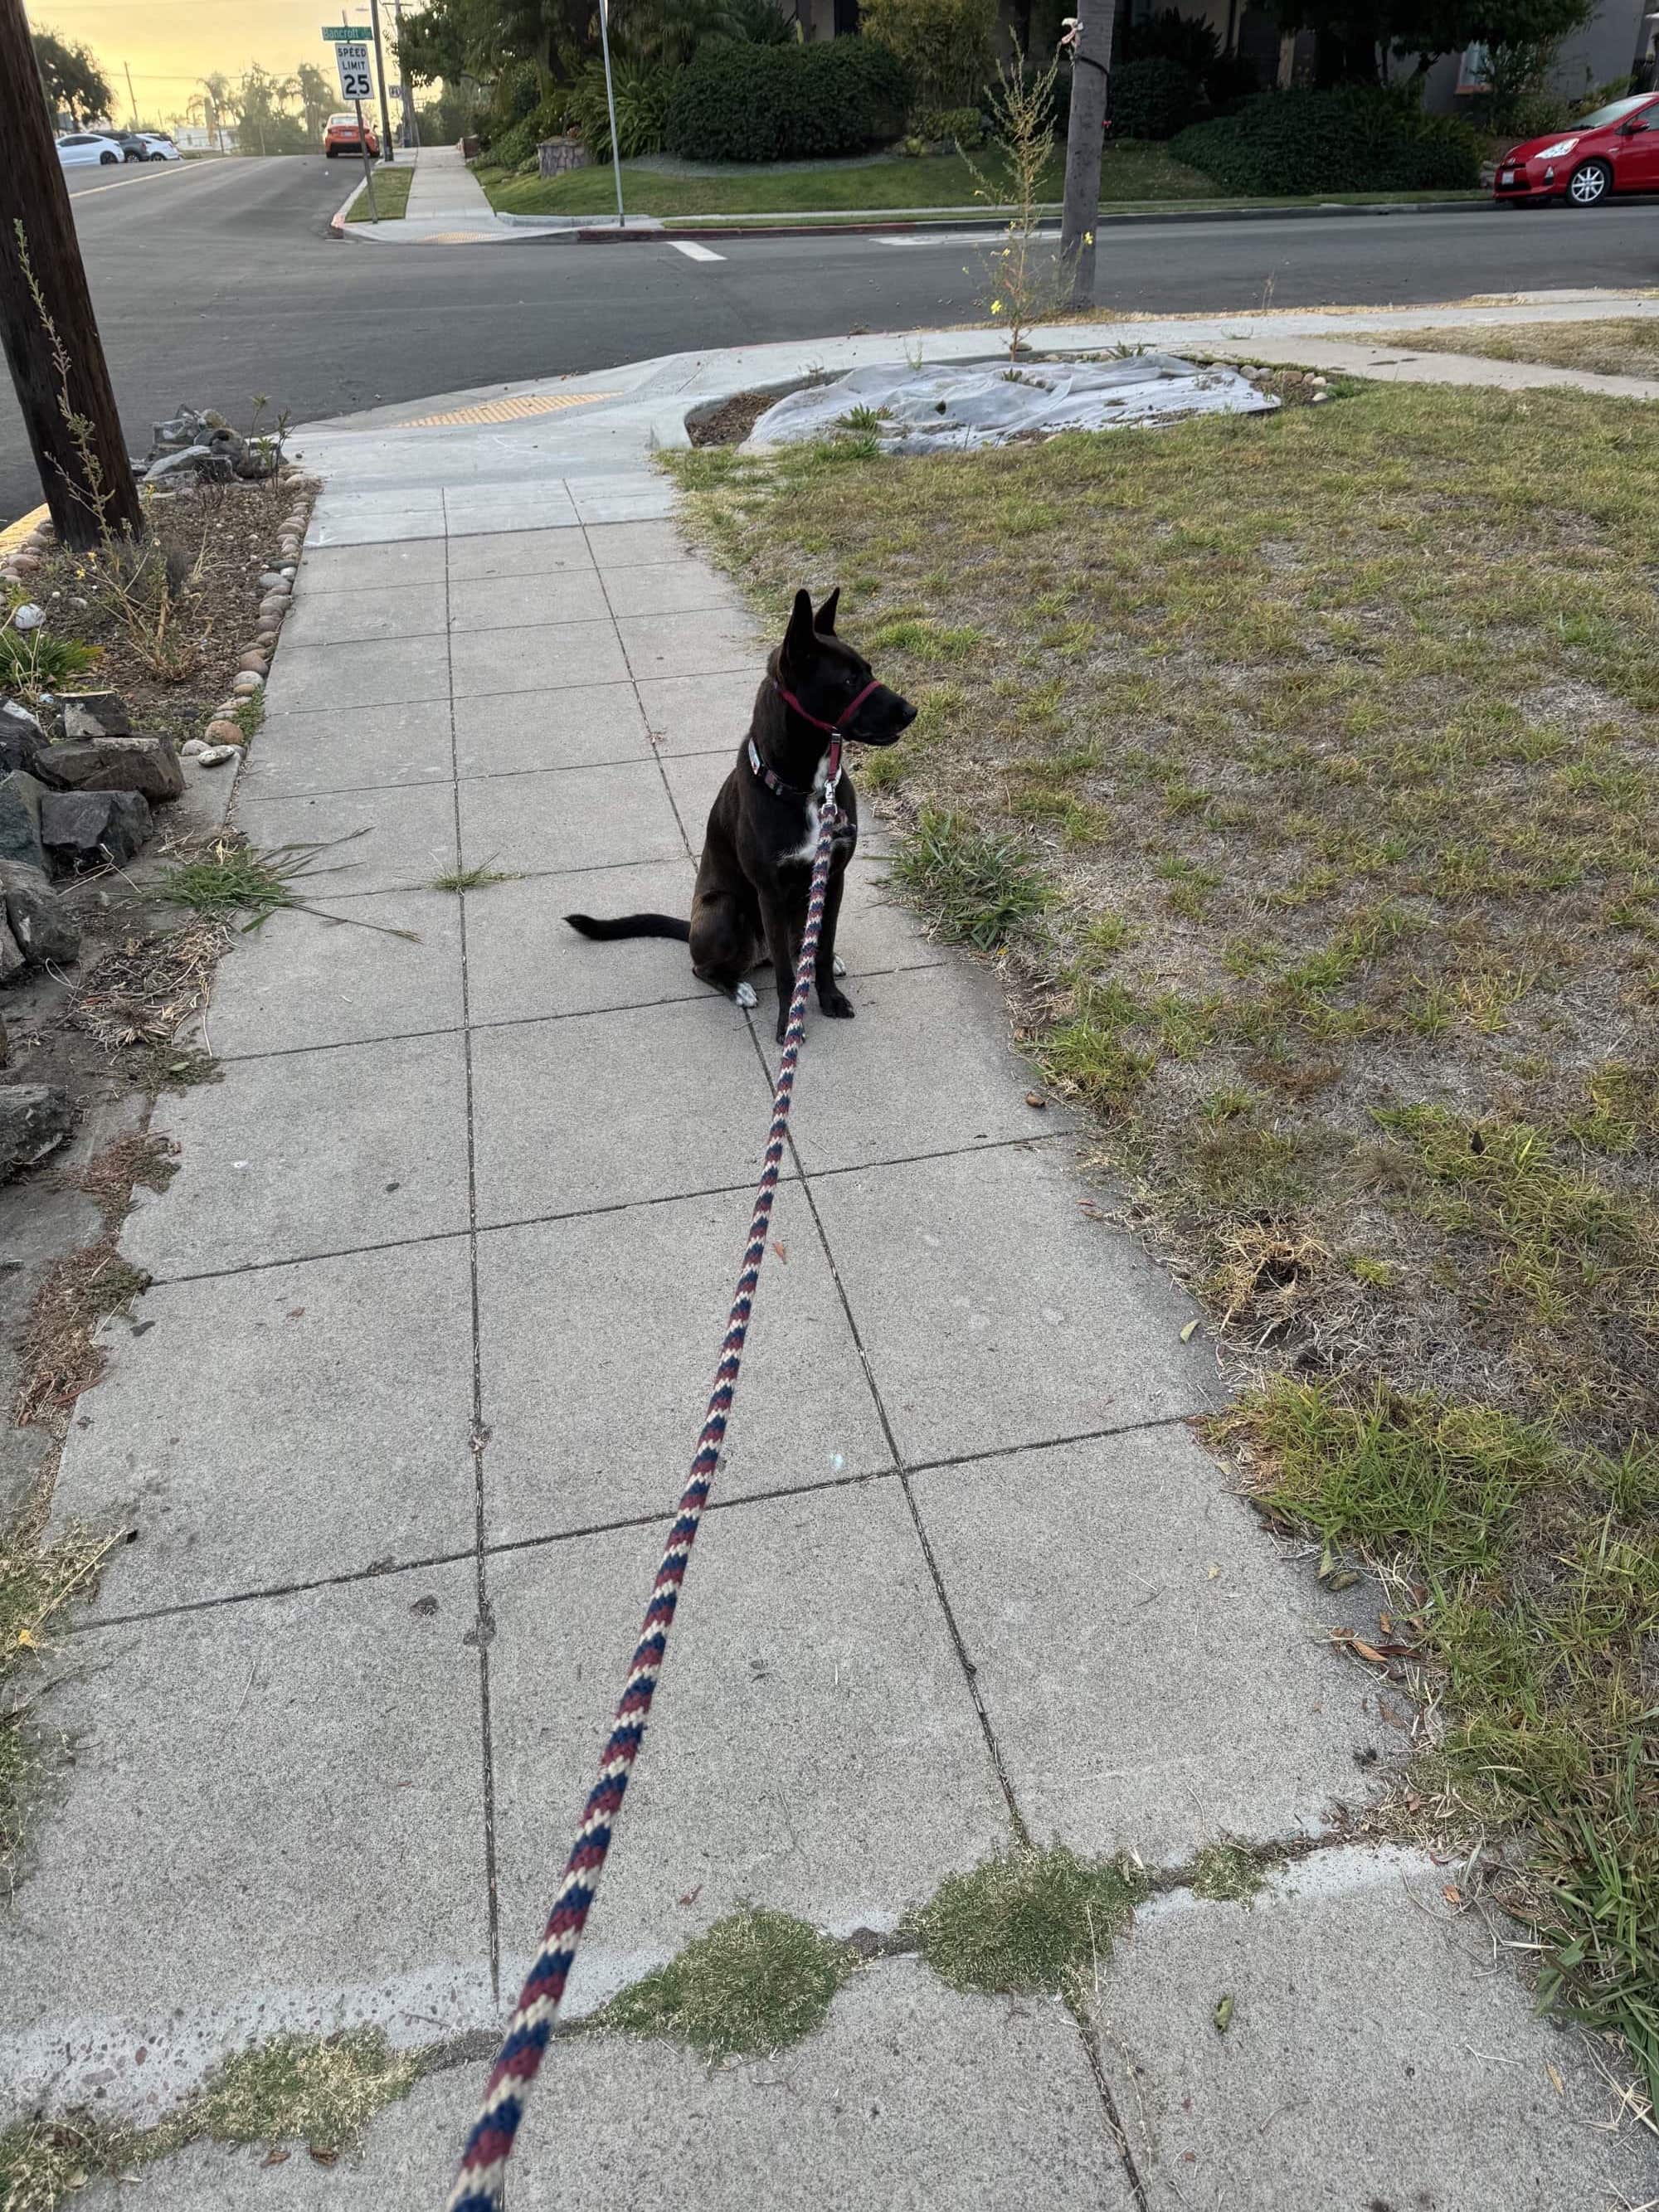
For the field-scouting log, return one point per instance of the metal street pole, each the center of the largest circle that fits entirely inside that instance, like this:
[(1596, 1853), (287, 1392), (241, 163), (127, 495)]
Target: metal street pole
[(387, 151), (132, 97), (363, 140), (35, 218), (412, 113), (610, 103)]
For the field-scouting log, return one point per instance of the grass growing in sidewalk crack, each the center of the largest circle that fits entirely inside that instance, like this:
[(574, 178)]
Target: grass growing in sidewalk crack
[(1225, 1874), (1029, 1920), (757, 1982), (232, 879), (36, 1581), (474, 878), (321, 2092)]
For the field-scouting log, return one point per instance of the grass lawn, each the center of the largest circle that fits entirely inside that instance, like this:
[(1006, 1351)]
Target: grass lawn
[(933, 180), (1300, 772), (1626, 345), (391, 193)]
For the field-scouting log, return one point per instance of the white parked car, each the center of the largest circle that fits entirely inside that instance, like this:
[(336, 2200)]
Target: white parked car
[(87, 149), (161, 148)]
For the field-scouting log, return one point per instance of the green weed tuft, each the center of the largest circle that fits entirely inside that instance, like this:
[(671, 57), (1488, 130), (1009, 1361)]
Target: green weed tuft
[(292, 2089), (1028, 1921), (37, 661), (476, 878), (980, 889), (758, 1982), (1225, 1874)]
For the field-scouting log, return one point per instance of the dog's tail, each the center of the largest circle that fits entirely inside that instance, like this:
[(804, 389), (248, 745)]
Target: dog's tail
[(632, 925)]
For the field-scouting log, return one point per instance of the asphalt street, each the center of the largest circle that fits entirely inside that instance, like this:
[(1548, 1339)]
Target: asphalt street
[(217, 280)]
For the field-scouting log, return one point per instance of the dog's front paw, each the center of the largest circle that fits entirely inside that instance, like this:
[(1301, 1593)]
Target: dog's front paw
[(836, 1005), (782, 1029)]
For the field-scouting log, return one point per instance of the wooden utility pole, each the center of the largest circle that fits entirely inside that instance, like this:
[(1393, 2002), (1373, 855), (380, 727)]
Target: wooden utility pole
[(1091, 61), (34, 200)]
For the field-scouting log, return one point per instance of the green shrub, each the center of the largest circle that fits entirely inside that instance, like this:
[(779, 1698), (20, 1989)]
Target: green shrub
[(515, 148), (642, 91), (1172, 37), (751, 103), (958, 127), (1349, 140), (1229, 80), (1152, 99), (517, 95), (948, 46)]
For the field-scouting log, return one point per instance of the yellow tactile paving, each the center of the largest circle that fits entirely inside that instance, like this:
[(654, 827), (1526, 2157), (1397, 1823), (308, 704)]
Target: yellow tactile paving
[(15, 532), (510, 411)]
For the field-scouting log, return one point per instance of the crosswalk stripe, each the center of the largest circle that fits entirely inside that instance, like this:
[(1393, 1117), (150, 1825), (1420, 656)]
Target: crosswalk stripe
[(694, 253)]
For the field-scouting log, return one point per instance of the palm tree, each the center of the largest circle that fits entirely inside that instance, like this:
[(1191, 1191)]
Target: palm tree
[(311, 89), (218, 91)]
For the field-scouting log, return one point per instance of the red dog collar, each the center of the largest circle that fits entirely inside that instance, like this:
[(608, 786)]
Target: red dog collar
[(830, 729)]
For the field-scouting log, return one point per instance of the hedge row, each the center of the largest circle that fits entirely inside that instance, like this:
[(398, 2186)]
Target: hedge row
[(1350, 140), (788, 103)]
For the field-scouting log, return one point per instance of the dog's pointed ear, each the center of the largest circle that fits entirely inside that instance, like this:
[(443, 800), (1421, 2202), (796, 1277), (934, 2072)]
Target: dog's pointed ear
[(825, 620), (798, 638)]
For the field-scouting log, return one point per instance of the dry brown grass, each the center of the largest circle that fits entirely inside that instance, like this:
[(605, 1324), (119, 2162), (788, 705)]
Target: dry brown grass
[(142, 991), (1302, 774), (1317, 757), (1622, 345), (60, 1357)]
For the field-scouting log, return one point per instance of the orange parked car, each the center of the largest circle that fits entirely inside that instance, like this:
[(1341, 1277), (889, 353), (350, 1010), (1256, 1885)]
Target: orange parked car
[(341, 137)]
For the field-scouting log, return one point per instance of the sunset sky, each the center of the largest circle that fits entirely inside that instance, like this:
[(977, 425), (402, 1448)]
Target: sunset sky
[(169, 44)]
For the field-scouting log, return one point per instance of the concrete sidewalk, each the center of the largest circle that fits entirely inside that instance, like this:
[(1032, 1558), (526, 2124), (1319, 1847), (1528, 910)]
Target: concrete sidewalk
[(446, 206), (437, 1292)]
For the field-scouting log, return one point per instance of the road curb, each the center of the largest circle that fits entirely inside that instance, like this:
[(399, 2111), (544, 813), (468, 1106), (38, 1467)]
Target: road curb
[(336, 221), (693, 226)]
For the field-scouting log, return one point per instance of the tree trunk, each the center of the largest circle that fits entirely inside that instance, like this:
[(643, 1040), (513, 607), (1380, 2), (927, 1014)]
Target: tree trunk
[(1092, 60), (34, 199)]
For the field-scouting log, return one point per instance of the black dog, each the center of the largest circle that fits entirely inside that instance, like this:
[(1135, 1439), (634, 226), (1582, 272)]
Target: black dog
[(762, 831)]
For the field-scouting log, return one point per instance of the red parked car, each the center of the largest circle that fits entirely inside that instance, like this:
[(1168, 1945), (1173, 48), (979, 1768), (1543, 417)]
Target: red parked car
[(1614, 150), (341, 137)]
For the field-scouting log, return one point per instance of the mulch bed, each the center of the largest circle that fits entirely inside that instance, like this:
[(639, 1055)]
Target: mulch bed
[(730, 423), (218, 543)]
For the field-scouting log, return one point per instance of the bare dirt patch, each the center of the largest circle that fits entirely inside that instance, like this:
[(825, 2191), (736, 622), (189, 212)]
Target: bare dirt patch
[(729, 423)]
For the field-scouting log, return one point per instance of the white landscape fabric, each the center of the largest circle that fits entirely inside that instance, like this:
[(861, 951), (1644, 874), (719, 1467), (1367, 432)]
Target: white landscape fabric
[(987, 403)]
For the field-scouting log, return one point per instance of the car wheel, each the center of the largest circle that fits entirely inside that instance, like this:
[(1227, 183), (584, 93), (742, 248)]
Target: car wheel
[(1590, 186), (329, 152), (109, 160)]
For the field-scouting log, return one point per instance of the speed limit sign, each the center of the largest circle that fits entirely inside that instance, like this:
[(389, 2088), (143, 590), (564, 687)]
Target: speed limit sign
[(356, 83)]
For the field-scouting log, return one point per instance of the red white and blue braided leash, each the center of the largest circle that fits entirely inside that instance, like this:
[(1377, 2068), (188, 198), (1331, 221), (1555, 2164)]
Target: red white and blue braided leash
[(488, 2145)]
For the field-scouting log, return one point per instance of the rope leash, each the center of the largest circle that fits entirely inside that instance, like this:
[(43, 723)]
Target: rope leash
[(489, 2144)]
